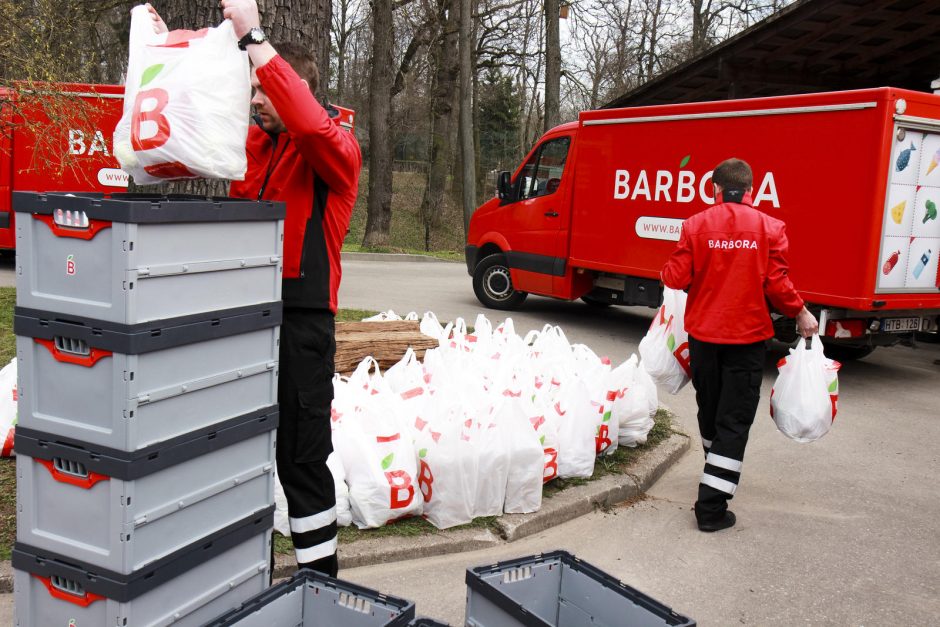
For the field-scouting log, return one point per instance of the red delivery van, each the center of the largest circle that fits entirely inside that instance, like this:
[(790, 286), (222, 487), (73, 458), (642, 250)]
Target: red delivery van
[(74, 155), (598, 204)]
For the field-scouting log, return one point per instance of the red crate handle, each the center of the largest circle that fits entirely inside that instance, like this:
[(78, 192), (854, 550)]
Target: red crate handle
[(87, 361), (70, 231), (86, 483), (84, 600)]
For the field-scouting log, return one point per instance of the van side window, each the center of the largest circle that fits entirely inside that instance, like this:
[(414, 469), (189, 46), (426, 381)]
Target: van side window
[(541, 175)]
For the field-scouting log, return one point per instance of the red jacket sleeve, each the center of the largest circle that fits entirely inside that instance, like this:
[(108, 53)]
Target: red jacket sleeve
[(333, 153), (677, 273), (777, 286)]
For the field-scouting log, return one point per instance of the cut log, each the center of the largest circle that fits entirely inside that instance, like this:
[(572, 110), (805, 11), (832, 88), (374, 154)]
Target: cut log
[(386, 341)]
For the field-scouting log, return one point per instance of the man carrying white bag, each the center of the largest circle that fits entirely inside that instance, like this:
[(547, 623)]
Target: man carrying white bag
[(732, 259)]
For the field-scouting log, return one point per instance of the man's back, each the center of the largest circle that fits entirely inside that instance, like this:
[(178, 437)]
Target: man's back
[(732, 258)]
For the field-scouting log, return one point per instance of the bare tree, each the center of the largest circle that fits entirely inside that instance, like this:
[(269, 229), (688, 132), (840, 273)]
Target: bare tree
[(468, 155), (379, 216), (552, 64)]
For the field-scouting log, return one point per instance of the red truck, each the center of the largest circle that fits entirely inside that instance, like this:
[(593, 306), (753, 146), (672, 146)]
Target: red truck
[(75, 153), (598, 204)]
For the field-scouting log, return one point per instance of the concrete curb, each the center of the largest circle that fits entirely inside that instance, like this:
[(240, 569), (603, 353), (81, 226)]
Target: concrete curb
[(351, 256), (572, 503), (568, 505)]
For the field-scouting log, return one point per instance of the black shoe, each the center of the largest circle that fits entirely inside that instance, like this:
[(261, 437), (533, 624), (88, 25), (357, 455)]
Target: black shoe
[(724, 522)]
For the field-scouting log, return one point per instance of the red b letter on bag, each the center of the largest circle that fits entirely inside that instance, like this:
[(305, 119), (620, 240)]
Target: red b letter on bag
[(154, 115)]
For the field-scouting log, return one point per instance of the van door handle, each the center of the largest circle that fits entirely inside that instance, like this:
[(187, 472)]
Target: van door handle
[(551, 214)]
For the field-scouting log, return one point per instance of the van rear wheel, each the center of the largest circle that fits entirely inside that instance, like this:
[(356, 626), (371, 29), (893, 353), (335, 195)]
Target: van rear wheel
[(492, 284)]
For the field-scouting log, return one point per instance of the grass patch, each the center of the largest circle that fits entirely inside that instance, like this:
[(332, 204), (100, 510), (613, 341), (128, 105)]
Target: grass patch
[(447, 255), (7, 339), (406, 233), (353, 315), (617, 463), (7, 506)]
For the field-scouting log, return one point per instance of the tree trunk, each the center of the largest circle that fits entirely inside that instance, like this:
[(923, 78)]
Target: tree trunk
[(302, 21), (379, 217), (552, 65), (466, 112), (446, 73)]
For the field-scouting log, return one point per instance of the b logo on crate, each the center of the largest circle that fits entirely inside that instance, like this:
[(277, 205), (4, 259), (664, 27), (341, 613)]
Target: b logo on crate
[(70, 265)]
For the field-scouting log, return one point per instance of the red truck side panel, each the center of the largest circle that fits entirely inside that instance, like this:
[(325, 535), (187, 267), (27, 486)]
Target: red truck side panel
[(80, 158), (820, 164)]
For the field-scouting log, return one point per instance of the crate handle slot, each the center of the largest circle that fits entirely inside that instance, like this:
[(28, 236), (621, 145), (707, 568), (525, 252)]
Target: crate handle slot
[(354, 603), (517, 574), (71, 351), (68, 590), (72, 473), (87, 231)]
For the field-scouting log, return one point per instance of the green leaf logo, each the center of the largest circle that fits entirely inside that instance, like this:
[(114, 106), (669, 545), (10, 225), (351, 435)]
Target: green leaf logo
[(671, 342), (388, 461), (834, 386), (542, 440), (685, 161), (422, 453), (606, 416), (150, 73)]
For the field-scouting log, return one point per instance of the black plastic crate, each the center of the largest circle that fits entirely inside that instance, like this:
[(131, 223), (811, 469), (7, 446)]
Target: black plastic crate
[(312, 599), (559, 590)]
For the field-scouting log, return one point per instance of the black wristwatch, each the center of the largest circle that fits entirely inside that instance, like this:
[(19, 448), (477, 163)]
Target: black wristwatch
[(254, 36)]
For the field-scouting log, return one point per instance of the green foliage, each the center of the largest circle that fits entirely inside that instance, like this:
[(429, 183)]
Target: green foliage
[(499, 120), (7, 339)]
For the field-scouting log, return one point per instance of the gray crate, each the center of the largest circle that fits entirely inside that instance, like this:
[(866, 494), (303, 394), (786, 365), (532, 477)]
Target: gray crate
[(129, 387), (558, 590), (311, 599), (145, 257), (121, 512), (209, 579)]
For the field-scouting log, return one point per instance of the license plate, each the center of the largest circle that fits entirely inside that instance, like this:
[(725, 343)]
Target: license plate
[(900, 325)]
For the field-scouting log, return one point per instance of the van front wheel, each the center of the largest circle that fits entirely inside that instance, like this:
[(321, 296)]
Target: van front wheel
[(493, 285)]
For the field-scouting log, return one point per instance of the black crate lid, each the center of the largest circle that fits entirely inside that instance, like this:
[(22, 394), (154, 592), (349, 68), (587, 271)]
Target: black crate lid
[(130, 465), (144, 337), (126, 587), (149, 208)]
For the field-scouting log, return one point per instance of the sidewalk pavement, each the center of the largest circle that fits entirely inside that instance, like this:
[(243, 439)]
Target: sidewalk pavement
[(573, 502)]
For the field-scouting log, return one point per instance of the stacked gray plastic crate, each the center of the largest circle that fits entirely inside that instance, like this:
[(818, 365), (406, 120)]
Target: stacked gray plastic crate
[(147, 343)]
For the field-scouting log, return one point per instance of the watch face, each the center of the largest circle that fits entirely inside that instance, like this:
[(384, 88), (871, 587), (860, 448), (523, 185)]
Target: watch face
[(257, 35)]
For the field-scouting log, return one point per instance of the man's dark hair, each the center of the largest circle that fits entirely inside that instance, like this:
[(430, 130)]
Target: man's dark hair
[(733, 174), (302, 60)]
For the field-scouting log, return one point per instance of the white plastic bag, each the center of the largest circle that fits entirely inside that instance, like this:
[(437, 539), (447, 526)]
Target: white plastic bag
[(631, 407), (8, 403), (803, 399), (526, 464), (379, 459), (665, 347), (447, 470), (576, 431), (186, 100)]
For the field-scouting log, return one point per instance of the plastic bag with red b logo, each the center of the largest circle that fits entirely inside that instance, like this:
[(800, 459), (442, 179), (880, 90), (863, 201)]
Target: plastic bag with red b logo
[(665, 347), (186, 100)]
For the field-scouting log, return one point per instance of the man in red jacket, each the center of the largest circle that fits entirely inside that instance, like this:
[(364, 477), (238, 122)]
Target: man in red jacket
[(732, 259), (299, 156)]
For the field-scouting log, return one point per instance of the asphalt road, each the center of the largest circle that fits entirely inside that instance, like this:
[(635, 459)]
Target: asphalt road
[(843, 531)]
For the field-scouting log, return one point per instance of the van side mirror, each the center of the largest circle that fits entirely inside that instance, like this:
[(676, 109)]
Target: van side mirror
[(503, 185)]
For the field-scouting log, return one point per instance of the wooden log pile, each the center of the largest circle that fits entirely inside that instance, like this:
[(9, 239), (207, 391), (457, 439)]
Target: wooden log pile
[(385, 341)]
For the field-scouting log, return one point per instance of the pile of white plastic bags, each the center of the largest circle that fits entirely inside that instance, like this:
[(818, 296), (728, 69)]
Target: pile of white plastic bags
[(477, 426)]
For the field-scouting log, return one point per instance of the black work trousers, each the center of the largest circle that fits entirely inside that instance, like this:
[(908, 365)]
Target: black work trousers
[(727, 380), (304, 439)]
